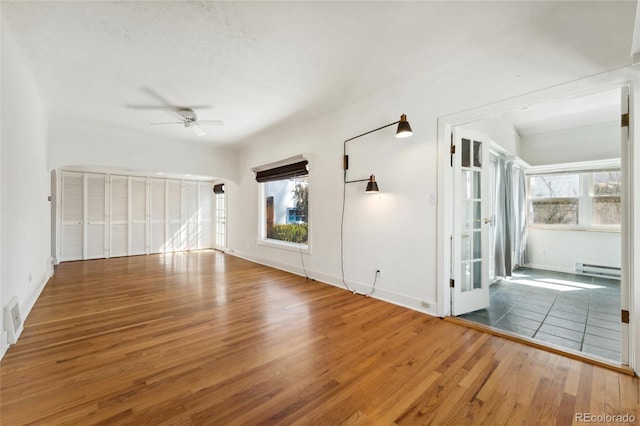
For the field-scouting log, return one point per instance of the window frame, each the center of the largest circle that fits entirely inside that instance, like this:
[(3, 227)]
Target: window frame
[(262, 239), (585, 203)]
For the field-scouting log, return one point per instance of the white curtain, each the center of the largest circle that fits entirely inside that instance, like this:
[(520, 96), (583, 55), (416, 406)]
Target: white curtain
[(510, 226)]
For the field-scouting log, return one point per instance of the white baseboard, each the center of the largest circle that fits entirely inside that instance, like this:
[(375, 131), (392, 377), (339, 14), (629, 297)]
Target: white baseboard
[(361, 288), (28, 304), (4, 344), (550, 268)]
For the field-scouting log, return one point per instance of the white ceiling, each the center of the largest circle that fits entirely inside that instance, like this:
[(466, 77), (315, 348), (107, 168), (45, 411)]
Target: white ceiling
[(598, 108), (259, 64)]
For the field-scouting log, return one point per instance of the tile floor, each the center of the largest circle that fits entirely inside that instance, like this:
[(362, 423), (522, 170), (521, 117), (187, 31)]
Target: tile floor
[(572, 311)]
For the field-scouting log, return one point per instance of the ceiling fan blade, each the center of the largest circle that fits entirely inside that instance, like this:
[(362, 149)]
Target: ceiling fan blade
[(131, 106), (211, 122), (198, 131), (167, 122)]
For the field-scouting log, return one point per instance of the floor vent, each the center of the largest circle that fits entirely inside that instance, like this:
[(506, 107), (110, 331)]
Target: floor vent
[(13, 320), (598, 270)]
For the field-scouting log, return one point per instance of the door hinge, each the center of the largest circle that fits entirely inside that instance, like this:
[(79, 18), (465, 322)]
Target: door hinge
[(452, 151), (451, 282), (625, 316), (624, 120)]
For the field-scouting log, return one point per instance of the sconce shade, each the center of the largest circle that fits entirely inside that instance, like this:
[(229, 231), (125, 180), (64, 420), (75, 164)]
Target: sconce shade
[(404, 129), (372, 185)]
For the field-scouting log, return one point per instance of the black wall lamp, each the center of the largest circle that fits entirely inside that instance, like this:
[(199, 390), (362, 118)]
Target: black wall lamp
[(403, 131)]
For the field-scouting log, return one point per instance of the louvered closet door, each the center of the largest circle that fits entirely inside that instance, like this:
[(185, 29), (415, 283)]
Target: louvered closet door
[(191, 214), (138, 215), (205, 235), (158, 212), (174, 216), (119, 216), (72, 215), (96, 229)]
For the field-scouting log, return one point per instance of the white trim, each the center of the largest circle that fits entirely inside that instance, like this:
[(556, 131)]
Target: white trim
[(580, 167)]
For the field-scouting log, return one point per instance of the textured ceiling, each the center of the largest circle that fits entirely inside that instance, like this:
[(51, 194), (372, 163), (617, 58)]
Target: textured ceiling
[(261, 63)]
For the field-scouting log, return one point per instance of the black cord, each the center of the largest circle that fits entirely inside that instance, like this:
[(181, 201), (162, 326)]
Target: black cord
[(375, 279), (344, 197), (304, 269)]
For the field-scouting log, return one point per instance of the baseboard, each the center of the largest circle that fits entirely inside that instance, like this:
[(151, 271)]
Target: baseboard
[(550, 268), (28, 305), (4, 344), (399, 299)]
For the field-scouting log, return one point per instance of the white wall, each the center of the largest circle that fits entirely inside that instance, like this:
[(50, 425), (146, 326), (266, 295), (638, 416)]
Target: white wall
[(25, 229), (561, 250), (73, 143), (588, 143), (500, 131), (397, 230)]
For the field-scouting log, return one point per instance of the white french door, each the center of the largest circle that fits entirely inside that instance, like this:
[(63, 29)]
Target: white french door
[(472, 221)]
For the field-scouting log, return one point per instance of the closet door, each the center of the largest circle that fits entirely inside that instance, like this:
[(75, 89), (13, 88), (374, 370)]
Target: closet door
[(174, 216), (72, 215), (96, 212), (191, 214), (205, 234), (137, 215), (158, 215), (119, 216)]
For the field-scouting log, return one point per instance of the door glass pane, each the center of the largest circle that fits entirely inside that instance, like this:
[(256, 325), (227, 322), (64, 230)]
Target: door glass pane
[(477, 274), (477, 214), (466, 246), (466, 153), (466, 215), (477, 154), (477, 192), (477, 244), (466, 184), (466, 277)]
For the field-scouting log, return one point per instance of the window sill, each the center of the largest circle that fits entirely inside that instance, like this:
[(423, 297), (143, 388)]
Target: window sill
[(612, 230), (300, 248)]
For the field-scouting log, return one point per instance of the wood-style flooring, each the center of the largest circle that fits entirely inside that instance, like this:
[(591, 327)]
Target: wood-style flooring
[(204, 338)]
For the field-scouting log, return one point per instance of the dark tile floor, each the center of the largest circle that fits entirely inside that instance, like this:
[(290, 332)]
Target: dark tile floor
[(572, 311)]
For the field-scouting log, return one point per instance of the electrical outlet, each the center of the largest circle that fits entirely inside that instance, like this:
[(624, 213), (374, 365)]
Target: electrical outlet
[(378, 273), (425, 304)]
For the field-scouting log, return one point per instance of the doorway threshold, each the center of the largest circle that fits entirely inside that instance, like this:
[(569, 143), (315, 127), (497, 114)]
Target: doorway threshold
[(580, 356)]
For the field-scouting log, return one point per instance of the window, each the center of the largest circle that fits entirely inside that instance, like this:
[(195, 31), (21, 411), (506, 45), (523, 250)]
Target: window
[(554, 199), (606, 188), (576, 200), (284, 194)]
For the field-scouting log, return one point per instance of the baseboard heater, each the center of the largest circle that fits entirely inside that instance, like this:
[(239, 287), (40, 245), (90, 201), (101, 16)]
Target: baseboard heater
[(598, 270)]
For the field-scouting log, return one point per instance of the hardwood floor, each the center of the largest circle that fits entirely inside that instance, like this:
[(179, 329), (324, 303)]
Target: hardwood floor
[(206, 338)]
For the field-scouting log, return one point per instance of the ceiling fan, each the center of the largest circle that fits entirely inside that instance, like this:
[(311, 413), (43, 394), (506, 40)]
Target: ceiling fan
[(189, 119), (186, 114)]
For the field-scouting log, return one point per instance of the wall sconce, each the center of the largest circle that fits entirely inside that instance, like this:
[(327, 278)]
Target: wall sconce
[(403, 131), (372, 185)]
